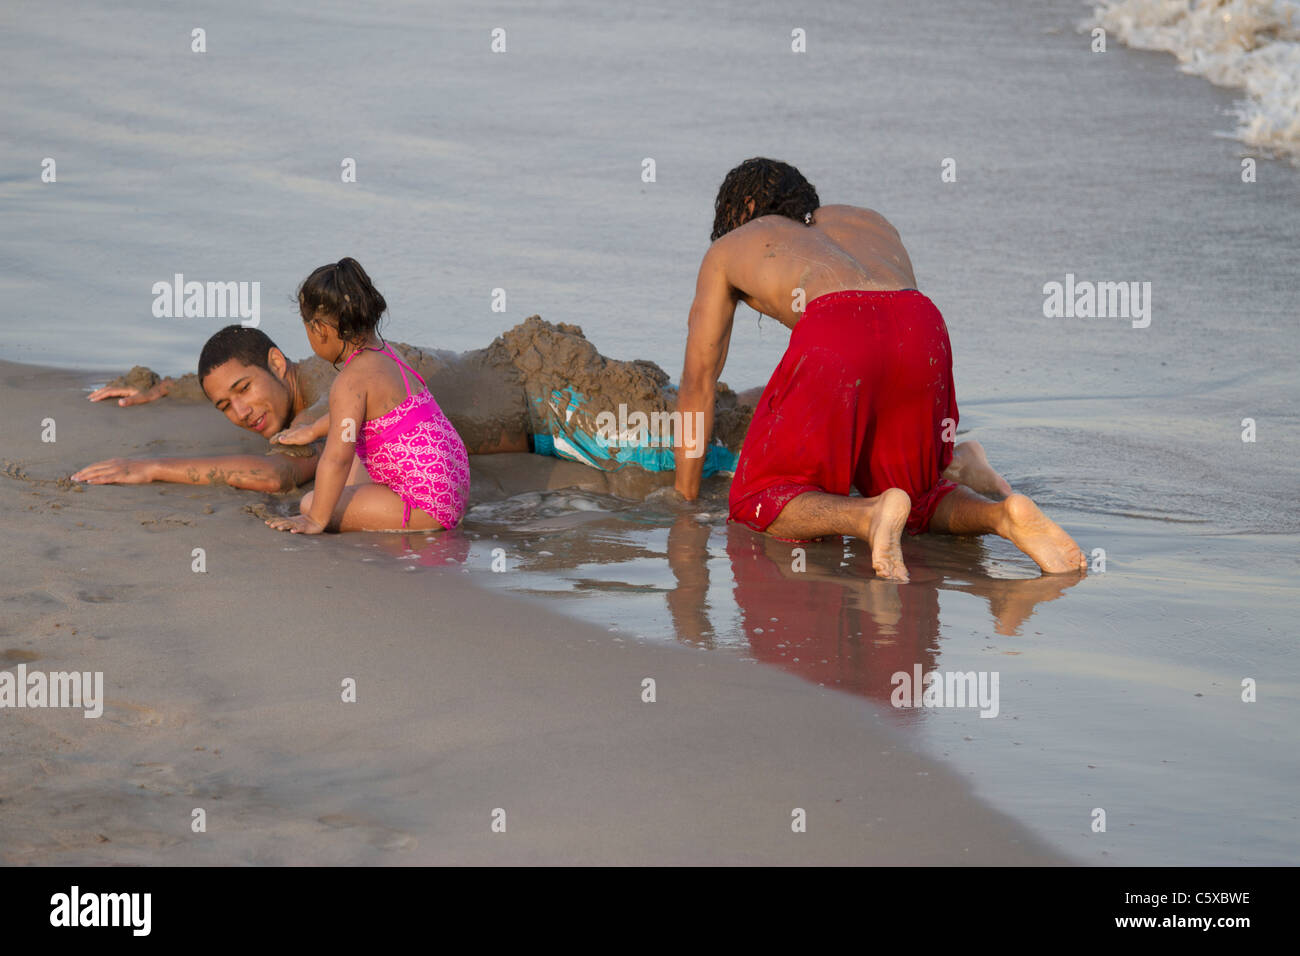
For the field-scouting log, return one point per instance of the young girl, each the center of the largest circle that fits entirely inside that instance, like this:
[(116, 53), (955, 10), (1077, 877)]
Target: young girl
[(417, 465)]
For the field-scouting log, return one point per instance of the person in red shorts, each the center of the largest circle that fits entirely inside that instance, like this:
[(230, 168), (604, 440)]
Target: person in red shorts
[(863, 398)]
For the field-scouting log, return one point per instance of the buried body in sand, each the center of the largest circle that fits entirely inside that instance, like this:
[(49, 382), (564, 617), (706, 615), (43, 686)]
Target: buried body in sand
[(397, 458), (539, 387)]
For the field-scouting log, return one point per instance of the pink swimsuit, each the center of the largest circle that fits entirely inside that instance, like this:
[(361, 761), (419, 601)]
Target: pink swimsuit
[(415, 451)]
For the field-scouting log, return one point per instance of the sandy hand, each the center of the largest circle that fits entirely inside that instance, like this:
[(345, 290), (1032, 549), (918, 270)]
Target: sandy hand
[(669, 497), (116, 471), (127, 395), (298, 524), (297, 435)]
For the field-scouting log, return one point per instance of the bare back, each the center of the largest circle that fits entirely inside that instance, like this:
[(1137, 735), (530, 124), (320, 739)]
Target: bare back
[(767, 260), (776, 266)]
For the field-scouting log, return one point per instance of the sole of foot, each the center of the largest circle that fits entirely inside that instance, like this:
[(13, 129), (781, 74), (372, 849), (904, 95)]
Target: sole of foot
[(1054, 551), (885, 531)]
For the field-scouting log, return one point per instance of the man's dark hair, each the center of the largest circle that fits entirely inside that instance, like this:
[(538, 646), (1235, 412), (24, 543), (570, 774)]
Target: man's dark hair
[(247, 345), (343, 292), (776, 188)]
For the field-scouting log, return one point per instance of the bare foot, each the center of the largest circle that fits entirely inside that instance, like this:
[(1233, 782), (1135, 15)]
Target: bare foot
[(884, 533), (1025, 526), (970, 467)]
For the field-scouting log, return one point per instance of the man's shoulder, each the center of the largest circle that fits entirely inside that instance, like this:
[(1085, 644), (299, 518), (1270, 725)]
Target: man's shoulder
[(741, 239), (852, 214)]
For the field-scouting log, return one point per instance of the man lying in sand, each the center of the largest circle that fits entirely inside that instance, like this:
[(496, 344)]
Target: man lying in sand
[(257, 387), (538, 387), (863, 398)]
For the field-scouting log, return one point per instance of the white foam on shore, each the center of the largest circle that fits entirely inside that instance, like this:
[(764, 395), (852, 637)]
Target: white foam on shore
[(1252, 45)]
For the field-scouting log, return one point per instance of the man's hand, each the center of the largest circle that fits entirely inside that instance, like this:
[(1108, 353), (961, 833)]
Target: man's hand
[(671, 498), (117, 471), (126, 395), (298, 524)]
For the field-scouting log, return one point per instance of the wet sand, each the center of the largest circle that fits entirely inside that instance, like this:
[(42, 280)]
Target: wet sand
[(1122, 690), (223, 693)]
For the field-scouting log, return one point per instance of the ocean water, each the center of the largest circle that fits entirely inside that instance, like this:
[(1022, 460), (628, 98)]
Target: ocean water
[(1252, 45), (522, 171)]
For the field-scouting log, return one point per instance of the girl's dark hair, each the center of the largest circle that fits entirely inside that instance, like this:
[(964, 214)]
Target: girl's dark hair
[(777, 189), (344, 292)]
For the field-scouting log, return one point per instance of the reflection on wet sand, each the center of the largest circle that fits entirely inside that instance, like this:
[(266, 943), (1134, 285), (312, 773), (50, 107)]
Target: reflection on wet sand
[(818, 611), (422, 549)]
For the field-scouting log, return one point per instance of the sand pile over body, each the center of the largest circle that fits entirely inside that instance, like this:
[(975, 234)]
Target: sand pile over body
[(183, 389), (551, 358), (489, 394), (139, 377)]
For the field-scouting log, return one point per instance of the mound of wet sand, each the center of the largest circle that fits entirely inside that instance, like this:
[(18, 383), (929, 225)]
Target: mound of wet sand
[(139, 377), (552, 357)]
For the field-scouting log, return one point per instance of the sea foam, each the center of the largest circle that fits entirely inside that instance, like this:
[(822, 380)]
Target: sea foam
[(1253, 45)]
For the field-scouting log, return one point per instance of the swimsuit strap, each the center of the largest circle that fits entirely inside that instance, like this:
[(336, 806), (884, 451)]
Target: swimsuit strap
[(363, 348), (396, 358)]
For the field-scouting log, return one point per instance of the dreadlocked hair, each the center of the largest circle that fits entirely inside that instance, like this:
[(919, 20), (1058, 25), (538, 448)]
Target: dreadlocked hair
[(776, 188)]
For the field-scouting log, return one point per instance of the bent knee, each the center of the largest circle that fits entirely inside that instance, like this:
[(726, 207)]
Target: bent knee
[(305, 506)]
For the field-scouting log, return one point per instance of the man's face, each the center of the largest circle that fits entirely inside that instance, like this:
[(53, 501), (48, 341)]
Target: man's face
[(251, 397)]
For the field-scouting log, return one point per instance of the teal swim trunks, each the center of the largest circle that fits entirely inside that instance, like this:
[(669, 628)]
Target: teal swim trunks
[(564, 428)]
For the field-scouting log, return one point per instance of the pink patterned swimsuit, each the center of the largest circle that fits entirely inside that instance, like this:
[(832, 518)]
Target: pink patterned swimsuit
[(415, 451)]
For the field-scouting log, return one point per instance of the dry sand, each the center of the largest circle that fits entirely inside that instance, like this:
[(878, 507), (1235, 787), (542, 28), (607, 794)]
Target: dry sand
[(223, 693)]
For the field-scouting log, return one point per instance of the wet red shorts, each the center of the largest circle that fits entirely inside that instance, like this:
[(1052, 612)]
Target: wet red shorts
[(862, 399)]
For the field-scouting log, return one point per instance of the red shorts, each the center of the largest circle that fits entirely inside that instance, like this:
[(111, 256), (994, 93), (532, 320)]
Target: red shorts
[(862, 399)]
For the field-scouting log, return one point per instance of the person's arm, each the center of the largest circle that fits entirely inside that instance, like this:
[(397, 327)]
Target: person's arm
[(304, 431), (127, 395), (707, 340), (251, 472), (348, 411)]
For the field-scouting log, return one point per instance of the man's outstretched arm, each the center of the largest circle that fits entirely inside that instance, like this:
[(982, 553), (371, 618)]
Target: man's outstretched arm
[(707, 340), (129, 395), (251, 472)]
